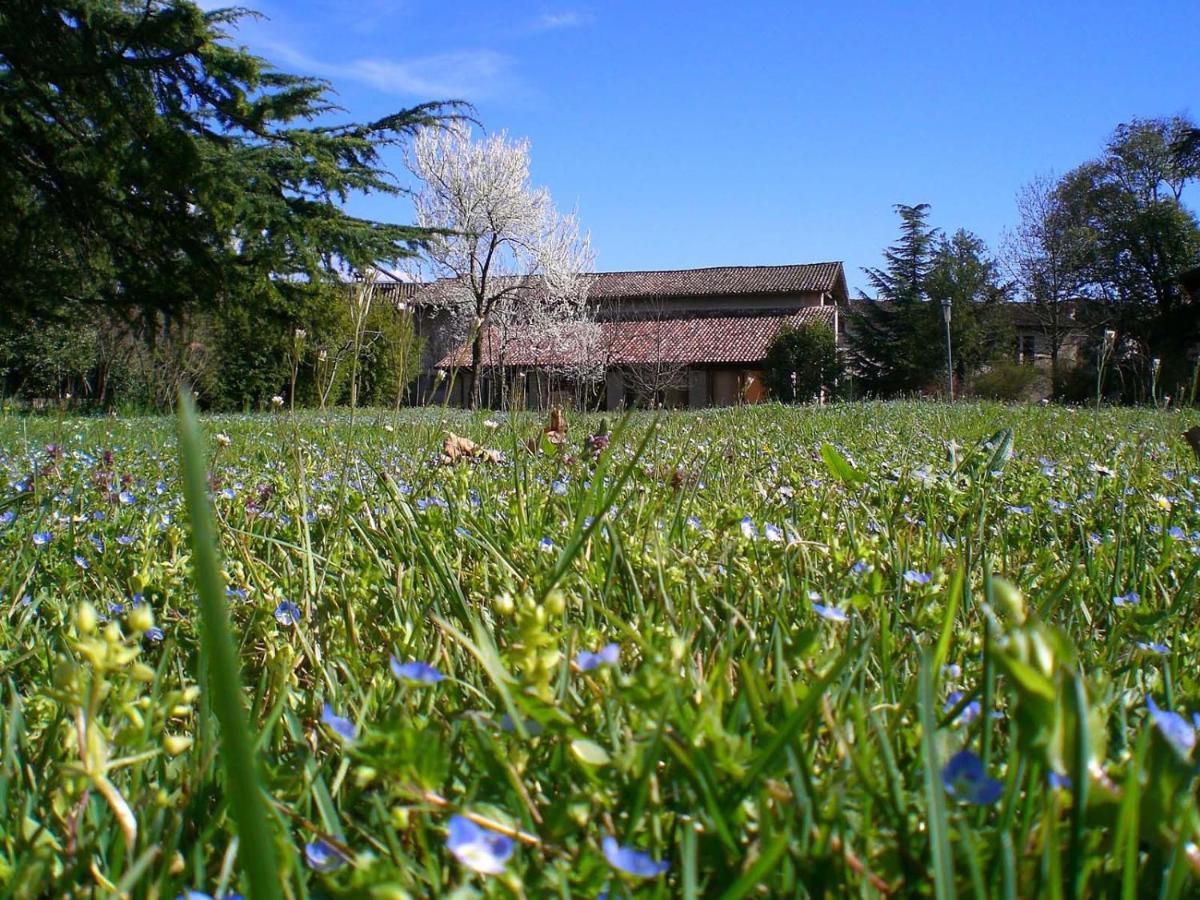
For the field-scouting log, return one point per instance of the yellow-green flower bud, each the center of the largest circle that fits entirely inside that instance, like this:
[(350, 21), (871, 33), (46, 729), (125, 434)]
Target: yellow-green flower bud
[(1008, 596), (141, 618), (175, 744)]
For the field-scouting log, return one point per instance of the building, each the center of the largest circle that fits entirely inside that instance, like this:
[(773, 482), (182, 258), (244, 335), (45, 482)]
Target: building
[(679, 338)]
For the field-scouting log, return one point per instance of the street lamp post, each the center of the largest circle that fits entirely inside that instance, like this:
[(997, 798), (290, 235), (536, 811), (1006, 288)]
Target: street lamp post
[(949, 360)]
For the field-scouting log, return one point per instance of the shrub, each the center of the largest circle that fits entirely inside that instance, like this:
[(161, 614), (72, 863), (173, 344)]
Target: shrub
[(801, 363), (1008, 380)]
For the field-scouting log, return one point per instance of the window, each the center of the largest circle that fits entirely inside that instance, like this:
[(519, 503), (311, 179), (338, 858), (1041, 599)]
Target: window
[(1026, 344)]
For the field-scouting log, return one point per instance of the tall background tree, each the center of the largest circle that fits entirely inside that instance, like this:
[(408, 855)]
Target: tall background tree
[(888, 333), (152, 169), (506, 261), (1046, 256), (897, 340), (964, 272), (1139, 235)]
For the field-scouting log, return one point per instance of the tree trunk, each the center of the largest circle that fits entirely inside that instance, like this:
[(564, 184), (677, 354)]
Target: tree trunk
[(476, 366)]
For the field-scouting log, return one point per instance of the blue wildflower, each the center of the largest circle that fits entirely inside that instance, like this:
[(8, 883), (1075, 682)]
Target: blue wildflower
[(546, 545), (479, 849), (952, 670), (200, 895), (748, 529), (965, 778), (912, 576), (1153, 647), (608, 655), (1178, 731), (969, 713), (1177, 533), (1130, 599), (772, 533), (81, 562), (7, 517), (42, 538), (630, 861), (1058, 782), (832, 613), (861, 567), (127, 498), (124, 540), (416, 672), (558, 488), (154, 634), (693, 522), (321, 856), (339, 725), (287, 613)]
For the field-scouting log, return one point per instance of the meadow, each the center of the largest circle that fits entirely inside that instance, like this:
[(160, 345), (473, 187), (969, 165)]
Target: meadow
[(876, 649)]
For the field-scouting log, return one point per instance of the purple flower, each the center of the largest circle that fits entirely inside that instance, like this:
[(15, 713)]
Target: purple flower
[(1177, 533), (479, 849), (42, 538), (287, 613), (608, 655), (1178, 731), (7, 517), (772, 533), (322, 856), (416, 672), (965, 778), (912, 576), (154, 634), (630, 861), (1130, 599), (124, 540), (546, 545), (339, 725), (126, 498), (748, 529), (81, 562)]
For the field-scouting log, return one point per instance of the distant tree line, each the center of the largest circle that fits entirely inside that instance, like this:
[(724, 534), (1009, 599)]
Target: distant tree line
[(1104, 248)]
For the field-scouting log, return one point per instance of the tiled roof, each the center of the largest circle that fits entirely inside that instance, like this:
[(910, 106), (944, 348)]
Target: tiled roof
[(690, 339), (717, 280)]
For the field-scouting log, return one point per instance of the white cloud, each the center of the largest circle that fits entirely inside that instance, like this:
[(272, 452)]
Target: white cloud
[(465, 74), (556, 21)]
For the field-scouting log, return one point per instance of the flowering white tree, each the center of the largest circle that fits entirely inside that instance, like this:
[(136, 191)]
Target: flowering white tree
[(502, 255)]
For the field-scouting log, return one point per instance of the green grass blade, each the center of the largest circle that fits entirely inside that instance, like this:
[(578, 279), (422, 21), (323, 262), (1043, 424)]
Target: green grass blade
[(246, 800), (935, 797)]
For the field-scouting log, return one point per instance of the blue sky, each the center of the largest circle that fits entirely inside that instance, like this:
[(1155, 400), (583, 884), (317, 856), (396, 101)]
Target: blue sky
[(695, 134)]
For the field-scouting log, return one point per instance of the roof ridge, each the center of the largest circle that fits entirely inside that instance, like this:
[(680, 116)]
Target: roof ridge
[(833, 262)]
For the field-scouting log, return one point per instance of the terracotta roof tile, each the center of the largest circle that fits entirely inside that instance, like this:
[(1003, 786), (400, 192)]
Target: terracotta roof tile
[(717, 280), (686, 339)]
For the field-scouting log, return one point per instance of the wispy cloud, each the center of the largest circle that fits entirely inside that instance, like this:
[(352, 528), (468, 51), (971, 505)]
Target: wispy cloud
[(465, 74), (557, 21)]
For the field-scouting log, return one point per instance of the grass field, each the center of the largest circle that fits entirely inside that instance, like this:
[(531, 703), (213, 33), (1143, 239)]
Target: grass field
[(869, 649)]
